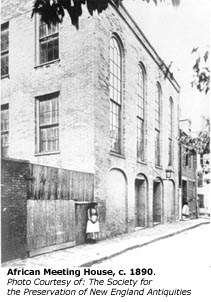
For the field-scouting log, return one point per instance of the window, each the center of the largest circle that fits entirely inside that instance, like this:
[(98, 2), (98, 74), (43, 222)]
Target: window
[(201, 200), (48, 42), (191, 190), (47, 123), (157, 125), (4, 130), (190, 158), (115, 94), (185, 157), (4, 49), (200, 180), (201, 160), (170, 136), (140, 113)]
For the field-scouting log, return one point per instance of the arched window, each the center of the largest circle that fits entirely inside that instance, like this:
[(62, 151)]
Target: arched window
[(170, 135), (140, 112), (115, 94), (157, 124)]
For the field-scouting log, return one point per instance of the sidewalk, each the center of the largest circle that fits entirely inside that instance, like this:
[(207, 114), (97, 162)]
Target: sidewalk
[(89, 254)]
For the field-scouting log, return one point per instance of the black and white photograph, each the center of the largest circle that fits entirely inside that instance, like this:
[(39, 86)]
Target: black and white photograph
[(105, 150)]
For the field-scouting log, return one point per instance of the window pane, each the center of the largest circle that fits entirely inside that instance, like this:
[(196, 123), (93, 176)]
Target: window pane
[(115, 71), (170, 118), (4, 49), (4, 65), (157, 148), (43, 30), (158, 108), (170, 153), (4, 39), (4, 144), (115, 94), (140, 139), (4, 131), (49, 43), (157, 125), (5, 120), (49, 123), (49, 139), (115, 127), (43, 52)]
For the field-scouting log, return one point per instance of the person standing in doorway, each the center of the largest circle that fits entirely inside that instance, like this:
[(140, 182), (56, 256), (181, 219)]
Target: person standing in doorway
[(92, 228), (185, 211)]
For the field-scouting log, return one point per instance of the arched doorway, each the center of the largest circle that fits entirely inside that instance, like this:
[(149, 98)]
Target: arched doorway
[(141, 189), (157, 200), (116, 206)]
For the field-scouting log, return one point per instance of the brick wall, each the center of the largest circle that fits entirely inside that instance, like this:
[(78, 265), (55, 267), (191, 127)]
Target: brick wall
[(134, 49), (13, 208), (27, 80)]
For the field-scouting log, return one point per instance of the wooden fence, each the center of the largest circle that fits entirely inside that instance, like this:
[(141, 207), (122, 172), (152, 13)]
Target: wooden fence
[(49, 183), (54, 221)]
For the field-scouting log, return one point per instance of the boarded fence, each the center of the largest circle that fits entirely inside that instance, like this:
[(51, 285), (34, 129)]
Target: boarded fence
[(50, 225), (55, 205), (49, 183), (51, 212)]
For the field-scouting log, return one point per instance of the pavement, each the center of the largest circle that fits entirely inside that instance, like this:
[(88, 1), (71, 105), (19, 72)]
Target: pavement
[(88, 254)]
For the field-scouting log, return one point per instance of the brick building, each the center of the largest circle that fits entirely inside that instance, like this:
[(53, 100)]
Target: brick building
[(98, 100)]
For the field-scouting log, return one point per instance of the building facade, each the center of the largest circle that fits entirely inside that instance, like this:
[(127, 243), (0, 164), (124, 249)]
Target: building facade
[(203, 184), (97, 100), (187, 172), (203, 173)]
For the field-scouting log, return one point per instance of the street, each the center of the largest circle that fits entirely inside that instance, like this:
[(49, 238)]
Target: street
[(181, 261), (187, 249)]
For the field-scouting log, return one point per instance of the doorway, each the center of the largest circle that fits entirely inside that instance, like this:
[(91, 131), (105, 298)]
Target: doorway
[(157, 201), (140, 202)]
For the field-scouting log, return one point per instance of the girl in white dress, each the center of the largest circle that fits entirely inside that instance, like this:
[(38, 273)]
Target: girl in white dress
[(92, 228)]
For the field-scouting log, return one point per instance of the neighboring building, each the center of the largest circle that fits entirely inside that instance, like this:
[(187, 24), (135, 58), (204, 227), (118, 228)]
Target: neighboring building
[(203, 189), (187, 173), (97, 100), (204, 176)]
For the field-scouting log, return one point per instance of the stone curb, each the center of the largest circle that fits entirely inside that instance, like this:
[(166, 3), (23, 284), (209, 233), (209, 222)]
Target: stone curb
[(97, 261)]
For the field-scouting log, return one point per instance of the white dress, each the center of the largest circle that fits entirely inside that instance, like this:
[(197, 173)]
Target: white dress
[(185, 212), (92, 223)]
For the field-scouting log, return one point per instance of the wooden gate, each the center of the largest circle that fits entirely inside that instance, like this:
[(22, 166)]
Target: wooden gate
[(50, 225)]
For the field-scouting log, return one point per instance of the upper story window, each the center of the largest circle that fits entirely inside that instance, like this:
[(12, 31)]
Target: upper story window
[(115, 94), (47, 119), (4, 49), (4, 130), (190, 160), (185, 156), (140, 112), (170, 134), (157, 124), (48, 42)]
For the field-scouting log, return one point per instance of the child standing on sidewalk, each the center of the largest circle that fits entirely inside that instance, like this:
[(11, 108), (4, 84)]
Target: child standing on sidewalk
[(185, 211), (92, 228)]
